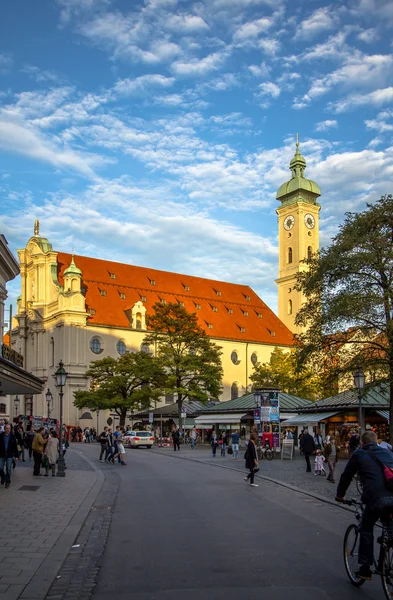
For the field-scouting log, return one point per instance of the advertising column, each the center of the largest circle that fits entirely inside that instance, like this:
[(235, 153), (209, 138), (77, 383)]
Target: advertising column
[(270, 418)]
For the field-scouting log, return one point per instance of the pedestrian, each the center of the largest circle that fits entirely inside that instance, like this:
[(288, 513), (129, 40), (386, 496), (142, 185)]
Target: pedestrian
[(385, 445), (331, 455), (21, 439), (319, 469), (214, 443), (252, 459), (51, 453), (103, 441), (115, 445), (353, 443), (8, 454), (318, 440), (308, 448), (368, 462), (176, 439), (223, 441), (235, 443), (121, 452), (38, 446), (110, 449), (301, 436), (87, 435), (193, 438)]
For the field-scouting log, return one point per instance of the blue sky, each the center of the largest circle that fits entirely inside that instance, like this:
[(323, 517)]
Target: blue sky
[(157, 132)]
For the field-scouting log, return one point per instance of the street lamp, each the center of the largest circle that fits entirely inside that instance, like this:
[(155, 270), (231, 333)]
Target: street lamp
[(49, 400), (359, 379), (16, 404), (61, 378)]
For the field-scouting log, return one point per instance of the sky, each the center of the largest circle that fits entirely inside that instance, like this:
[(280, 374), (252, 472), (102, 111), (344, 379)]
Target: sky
[(157, 132)]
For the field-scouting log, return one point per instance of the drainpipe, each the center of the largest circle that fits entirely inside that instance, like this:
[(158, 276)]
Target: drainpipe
[(246, 366)]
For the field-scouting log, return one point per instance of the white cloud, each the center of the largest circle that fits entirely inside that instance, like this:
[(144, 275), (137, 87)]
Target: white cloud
[(41, 75), (5, 63), (142, 83), (252, 29), (320, 20), (379, 125), (325, 125), (76, 8), (269, 45), (186, 23), (259, 71), (200, 67), (268, 88), (369, 36), (375, 98)]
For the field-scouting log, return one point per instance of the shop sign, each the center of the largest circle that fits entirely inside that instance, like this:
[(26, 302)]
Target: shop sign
[(257, 415), (151, 417)]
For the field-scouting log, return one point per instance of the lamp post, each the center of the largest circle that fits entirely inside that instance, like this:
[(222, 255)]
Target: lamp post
[(258, 404), (61, 378), (359, 379), (49, 400), (16, 405)]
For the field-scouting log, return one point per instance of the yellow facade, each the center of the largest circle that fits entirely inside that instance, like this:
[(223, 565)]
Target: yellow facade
[(298, 234)]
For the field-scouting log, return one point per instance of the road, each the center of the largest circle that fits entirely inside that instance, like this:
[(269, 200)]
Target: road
[(198, 531)]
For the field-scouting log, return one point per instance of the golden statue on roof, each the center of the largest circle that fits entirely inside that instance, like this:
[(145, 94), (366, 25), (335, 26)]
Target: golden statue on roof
[(36, 227)]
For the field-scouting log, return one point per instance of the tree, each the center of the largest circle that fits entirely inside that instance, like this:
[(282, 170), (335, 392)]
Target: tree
[(190, 359), (348, 313), (282, 372), (130, 382)]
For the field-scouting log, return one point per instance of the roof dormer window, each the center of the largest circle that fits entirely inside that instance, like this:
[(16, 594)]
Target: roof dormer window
[(186, 288), (230, 311), (92, 311), (218, 293), (143, 298), (103, 292), (181, 303), (259, 315), (210, 325), (122, 296), (214, 308), (112, 275), (198, 306), (162, 300), (248, 298), (245, 313), (152, 282), (272, 333)]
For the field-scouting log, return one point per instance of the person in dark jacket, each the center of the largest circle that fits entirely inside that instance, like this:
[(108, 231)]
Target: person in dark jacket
[(252, 459), (103, 440), (8, 454), (353, 443), (377, 498), (176, 439), (308, 446)]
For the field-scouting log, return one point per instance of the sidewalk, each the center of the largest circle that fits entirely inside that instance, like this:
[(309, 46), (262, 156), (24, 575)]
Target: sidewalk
[(288, 472), (40, 519)]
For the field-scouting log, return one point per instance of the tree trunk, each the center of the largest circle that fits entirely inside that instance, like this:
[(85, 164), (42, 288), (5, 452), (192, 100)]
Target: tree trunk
[(123, 415), (179, 407), (391, 399)]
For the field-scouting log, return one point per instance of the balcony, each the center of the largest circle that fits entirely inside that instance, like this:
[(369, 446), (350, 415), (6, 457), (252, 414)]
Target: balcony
[(11, 355)]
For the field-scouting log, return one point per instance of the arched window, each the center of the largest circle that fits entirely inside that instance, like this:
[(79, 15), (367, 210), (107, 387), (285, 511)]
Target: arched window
[(234, 390), (289, 307), (96, 345), (74, 285), (289, 255), (254, 358), (3, 408), (235, 358), (138, 321), (309, 252), (121, 347)]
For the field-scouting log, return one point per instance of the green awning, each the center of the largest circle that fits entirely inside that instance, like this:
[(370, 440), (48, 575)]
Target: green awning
[(309, 418)]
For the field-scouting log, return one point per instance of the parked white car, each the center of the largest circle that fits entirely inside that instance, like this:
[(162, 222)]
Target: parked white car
[(136, 439)]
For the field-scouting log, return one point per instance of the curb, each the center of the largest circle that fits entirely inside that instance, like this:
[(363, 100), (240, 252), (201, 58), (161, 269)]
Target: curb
[(41, 582), (265, 478)]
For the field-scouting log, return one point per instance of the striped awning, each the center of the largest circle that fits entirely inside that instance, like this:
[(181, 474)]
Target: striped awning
[(309, 418), (384, 413)]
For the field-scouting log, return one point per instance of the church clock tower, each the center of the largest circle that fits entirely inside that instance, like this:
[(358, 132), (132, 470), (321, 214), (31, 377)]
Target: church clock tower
[(298, 235)]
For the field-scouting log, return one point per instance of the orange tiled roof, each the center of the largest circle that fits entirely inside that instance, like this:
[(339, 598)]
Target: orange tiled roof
[(216, 299)]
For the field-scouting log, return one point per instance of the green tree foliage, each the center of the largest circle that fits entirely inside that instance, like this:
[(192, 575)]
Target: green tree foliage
[(349, 308), (190, 359), (130, 382), (282, 372)]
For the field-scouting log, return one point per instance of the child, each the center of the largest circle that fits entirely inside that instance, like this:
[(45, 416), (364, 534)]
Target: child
[(319, 460)]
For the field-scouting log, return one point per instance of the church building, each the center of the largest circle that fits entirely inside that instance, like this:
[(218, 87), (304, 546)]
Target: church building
[(81, 309)]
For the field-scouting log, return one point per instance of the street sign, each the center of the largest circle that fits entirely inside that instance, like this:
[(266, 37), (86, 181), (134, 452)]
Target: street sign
[(257, 415), (151, 417)]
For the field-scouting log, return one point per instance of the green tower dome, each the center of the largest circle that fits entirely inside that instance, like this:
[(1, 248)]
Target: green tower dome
[(73, 269), (297, 182)]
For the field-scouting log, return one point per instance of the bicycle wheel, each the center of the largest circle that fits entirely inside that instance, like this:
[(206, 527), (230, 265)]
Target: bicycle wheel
[(269, 454), (386, 559), (359, 485), (351, 553)]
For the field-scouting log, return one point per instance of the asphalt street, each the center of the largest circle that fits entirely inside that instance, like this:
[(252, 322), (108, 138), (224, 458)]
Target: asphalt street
[(198, 531)]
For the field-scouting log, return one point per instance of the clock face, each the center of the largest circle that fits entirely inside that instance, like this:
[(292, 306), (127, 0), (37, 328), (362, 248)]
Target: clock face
[(289, 222), (309, 221)]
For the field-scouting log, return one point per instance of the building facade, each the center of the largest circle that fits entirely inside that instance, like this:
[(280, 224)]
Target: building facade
[(298, 232), (79, 309)]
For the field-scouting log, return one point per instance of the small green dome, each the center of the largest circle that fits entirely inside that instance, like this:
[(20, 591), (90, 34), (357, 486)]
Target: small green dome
[(73, 269), (298, 182)]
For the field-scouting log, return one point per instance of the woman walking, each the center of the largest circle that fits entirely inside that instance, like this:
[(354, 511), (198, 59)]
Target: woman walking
[(51, 453), (223, 441), (252, 460), (214, 443), (120, 447)]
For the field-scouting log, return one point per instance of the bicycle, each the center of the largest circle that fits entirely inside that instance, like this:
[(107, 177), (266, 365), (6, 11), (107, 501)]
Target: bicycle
[(359, 484), (383, 566), (265, 452)]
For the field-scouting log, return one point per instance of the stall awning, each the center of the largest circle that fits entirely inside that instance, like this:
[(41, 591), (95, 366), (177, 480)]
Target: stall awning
[(309, 418), (187, 422), (384, 413), (212, 419)]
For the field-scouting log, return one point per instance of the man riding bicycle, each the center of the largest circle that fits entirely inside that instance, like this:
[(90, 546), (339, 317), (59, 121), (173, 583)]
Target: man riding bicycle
[(377, 498)]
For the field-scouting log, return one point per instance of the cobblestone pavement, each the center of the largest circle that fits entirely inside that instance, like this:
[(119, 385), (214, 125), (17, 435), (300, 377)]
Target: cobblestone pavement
[(40, 518), (290, 472)]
